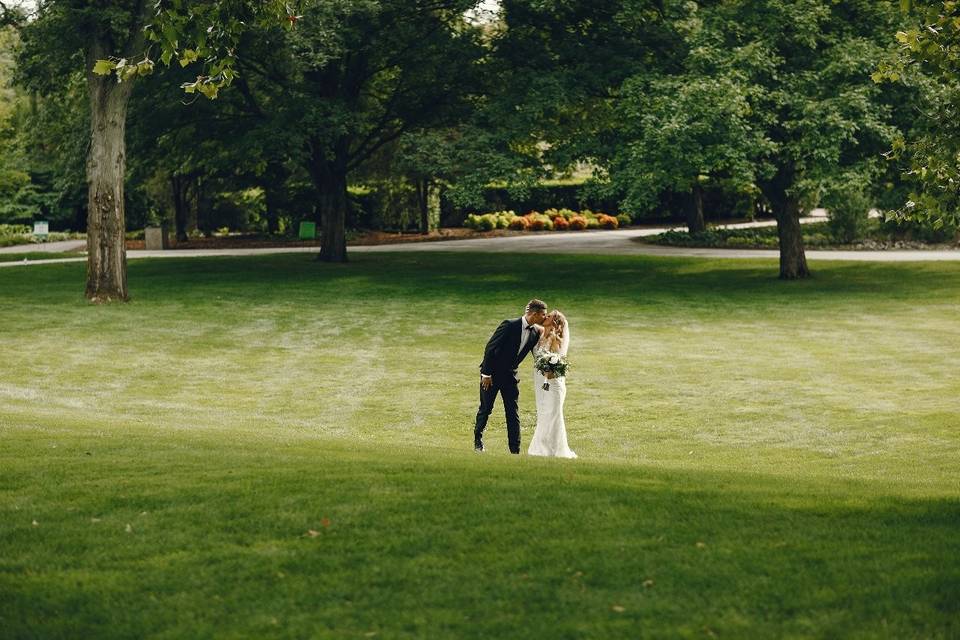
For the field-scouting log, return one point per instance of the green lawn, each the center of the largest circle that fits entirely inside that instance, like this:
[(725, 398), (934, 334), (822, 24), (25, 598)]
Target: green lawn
[(274, 447), (39, 255)]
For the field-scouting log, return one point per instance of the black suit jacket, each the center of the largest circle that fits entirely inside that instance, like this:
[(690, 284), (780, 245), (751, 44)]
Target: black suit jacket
[(501, 354)]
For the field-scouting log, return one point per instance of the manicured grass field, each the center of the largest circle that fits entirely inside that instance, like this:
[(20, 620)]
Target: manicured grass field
[(272, 447)]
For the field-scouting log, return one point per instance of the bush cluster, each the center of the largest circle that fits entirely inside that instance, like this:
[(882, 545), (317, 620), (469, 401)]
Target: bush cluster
[(549, 220), (814, 235), (16, 234)]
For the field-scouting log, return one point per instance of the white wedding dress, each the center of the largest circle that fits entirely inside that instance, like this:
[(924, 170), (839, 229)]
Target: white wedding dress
[(550, 436)]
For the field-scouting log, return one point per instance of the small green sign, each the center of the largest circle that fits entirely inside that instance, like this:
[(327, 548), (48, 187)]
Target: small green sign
[(308, 230)]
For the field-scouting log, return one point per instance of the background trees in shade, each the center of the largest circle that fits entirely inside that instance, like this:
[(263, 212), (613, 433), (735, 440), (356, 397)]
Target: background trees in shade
[(266, 116), (773, 97)]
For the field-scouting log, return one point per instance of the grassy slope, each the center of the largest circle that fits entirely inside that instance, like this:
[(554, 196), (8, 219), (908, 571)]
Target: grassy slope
[(771, 459)]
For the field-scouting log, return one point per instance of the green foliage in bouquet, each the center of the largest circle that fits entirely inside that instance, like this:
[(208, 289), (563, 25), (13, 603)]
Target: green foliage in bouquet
[(554, 363)]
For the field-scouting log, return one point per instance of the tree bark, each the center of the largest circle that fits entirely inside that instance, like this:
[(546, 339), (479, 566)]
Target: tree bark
[(786, 208), (106, 166), (272, 213), (274, 181), (330, 177), (423, 204), (194, 219), (181, 208), (695, 221), (793, 259)]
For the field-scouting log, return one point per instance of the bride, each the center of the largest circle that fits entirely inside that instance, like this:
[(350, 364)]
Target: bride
[(550, 436)]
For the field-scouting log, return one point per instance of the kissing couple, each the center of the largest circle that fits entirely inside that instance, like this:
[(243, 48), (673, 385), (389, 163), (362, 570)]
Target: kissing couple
[(547, 335)]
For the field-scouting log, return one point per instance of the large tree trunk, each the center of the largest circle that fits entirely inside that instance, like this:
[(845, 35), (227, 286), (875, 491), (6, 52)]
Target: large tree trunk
[(330, 177), (106, 165), (793, 259), (423, 204), (194, 220), (275, 180), (181, 207), (272, 213), (695, 221)]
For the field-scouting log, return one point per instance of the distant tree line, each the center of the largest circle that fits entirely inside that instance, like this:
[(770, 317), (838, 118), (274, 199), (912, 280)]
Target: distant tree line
[(236, 112)]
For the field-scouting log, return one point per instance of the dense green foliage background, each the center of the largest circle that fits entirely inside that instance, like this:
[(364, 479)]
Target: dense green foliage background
[(657, 108)]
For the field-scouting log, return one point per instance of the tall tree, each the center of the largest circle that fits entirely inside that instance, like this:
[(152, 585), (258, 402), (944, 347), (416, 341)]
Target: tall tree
[(810, 62), (113, 40), (392, 67), (59, 31)]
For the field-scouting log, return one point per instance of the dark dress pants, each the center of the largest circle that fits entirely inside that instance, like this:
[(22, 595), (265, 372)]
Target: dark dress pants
[(507, 386)]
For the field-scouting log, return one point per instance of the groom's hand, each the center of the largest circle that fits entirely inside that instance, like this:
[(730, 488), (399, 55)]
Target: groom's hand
[(486, 382)]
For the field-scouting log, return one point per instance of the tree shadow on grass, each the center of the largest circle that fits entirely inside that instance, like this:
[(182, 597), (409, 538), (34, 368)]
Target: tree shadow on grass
[(494, 279), (343, 539)]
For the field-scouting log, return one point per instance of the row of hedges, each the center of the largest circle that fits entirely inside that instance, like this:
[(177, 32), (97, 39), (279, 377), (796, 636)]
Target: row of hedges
[(819, 234), (549, 220), (814, 235), (17, 234)]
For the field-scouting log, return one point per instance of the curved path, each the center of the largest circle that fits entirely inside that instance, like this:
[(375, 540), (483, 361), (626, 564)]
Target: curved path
[(619, 242)]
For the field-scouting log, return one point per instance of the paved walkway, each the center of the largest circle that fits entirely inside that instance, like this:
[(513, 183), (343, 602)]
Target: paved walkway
[(619, 242)]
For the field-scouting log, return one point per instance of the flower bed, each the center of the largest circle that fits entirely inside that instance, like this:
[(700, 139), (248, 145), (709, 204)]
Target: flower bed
[(549, 220)]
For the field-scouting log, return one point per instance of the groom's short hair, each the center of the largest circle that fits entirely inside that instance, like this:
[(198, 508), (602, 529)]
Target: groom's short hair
[(536, 305)]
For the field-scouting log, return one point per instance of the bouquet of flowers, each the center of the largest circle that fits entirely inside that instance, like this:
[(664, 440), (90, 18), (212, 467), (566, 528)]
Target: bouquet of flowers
[(550, 362)]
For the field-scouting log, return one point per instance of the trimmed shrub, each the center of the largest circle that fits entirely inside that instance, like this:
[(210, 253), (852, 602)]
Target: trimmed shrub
[(15, 229), (561, 224), (578, 223), (848, 212), (593, 223), (487, 222), (519, 224), (740, 242), (624, 220), (607, 222), (817, 240)]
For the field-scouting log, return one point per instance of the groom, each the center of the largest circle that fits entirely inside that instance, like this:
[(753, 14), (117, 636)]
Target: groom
[(506, 349)]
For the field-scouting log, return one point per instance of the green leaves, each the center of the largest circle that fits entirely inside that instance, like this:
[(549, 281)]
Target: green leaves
[(104, 67), (203, 85), (927, 49), (188, 56)]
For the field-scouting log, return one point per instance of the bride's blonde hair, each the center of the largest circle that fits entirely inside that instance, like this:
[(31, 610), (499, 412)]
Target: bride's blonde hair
[(559, 322)]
